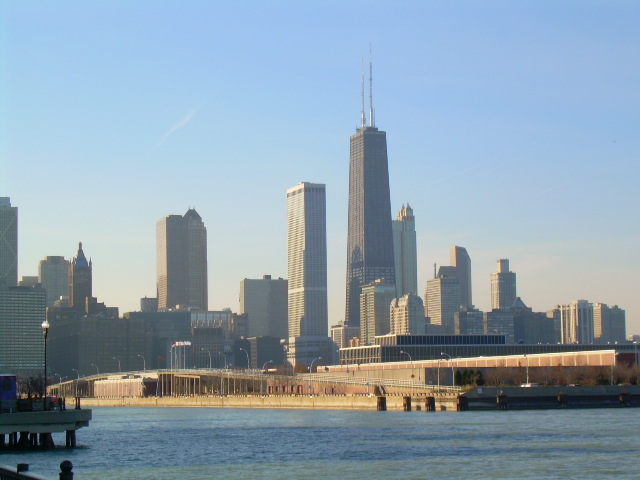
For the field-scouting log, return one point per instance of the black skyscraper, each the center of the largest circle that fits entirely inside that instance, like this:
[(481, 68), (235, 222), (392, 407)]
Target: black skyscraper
[(370, 238)]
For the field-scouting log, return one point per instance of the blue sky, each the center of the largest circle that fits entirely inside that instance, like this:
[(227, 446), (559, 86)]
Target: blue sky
[(512, 130)]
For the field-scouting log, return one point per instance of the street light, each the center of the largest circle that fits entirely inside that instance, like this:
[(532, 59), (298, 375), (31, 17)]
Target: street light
[(410, 361), (453, 376), (77, 381), (527, 359), (265, 364), (209, 352), (310, 368), (248, 361), (144, 362), (45, 331), (97, 371), (119, 367)]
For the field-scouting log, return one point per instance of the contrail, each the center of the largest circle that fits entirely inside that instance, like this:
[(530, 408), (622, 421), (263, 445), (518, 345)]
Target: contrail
[(177, 126)]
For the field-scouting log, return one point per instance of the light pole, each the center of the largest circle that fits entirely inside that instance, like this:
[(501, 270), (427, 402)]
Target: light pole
[(77, 381), (144, 362), (311, 368), (119, 367), (97, 371), (248, 361), (209, 352), (439, 360), (224, 357), (45, 332), (410, 361), (265, 364), (527, 359), (453, 376)]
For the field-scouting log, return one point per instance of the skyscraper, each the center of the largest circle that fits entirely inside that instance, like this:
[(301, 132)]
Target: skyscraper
[(576, 320), (375, 306), (181, 258), (503, 286), (8, 243), (369, 237), (443, 301), (53, 274), (80, 280), (460, 269), (407, 315), (405, 252), (264, 301), (307, 260)]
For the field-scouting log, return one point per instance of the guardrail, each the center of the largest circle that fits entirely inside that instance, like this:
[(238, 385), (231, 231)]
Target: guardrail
[(22, 469)]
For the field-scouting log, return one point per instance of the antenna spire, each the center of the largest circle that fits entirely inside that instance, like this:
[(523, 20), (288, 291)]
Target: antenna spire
[(372, 121), (363, 120)]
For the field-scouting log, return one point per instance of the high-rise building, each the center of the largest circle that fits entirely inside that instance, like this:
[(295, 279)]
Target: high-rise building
[(609, 324), (576, 321), (500, 322), (307, 269), (469, 321), (22, 311), (264, 301), (181, 253), (375, 304), (8, 243), (53, 274), (369, 235), (407, 315), (443, 300), (503, 286), (405, 252), (28, 281), (460, 269), (342, 334), (80, 280)]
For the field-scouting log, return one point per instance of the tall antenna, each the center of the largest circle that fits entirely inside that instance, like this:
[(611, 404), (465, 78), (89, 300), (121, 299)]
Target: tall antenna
[(372, 122), (363, 120)]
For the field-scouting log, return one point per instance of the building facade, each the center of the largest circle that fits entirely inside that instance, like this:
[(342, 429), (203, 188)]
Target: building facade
[(503, 286), (576, 321), (8, 243), (405, 252), (53, 274), (181, 259), (609, 324), (375, 305), (469, 321), (407, 315), (80, 280), (265, 303), (443, 301)]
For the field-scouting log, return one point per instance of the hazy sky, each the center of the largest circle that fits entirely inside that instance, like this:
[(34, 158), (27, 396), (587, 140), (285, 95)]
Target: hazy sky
[(512, 128)]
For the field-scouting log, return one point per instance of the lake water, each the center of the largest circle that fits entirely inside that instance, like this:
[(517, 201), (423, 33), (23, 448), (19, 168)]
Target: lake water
[(201, 443)]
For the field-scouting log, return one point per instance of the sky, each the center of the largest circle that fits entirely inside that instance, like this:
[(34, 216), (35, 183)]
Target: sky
[(512, 130)]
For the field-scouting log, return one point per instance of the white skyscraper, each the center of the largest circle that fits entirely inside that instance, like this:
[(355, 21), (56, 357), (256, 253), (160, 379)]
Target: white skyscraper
[(405, 252), (576, 320)]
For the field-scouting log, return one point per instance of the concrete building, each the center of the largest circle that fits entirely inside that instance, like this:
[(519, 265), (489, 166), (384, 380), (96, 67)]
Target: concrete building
[(53, 274), (375, 304), (22, 311), (503, 286), (576, 321), (609, 324), (341, 334), (80, 280), (407, 315), (264, 301), (8, 243), (443, 301), (369, 235), (181, 255), (405, 252), (469, 321), (500, 322)]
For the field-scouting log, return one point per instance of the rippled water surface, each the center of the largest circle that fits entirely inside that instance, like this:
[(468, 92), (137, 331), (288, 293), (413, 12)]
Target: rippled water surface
[(200, 443)]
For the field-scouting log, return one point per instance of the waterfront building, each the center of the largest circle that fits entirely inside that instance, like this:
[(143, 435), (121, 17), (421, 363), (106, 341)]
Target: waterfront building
[(576, 321), (181, 253), (53, 274), (369, 233), (375, 304), (443, 301), (407, 315), (469, 321), (8, 243), (503, 286), (80, 280), (609, 324), (405, 252), (22, 311), (500, 322), (264, 302)]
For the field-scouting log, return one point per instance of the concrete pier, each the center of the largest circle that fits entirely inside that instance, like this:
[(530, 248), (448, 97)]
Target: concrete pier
[(34, 429)]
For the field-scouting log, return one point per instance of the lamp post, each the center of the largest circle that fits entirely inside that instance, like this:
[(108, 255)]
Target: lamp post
[(527, 359), (311, 368), (119, 366), (410, 361), (453, 376), (144, 362), (248, 361), (97, 371), (77, 381), (209, 352), (45, 332), (224, 357), (265, 364), (439, 360)]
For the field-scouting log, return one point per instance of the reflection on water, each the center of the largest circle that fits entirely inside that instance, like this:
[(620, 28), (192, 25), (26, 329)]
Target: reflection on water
[(199, 443)]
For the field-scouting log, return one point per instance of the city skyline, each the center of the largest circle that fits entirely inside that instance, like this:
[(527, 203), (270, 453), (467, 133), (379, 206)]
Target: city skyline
[(512, 132)]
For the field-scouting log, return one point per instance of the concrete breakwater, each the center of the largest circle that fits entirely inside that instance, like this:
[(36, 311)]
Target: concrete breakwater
[(321, 402)]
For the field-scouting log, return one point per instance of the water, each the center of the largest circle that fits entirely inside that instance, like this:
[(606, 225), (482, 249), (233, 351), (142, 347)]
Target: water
[(200, 443)]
